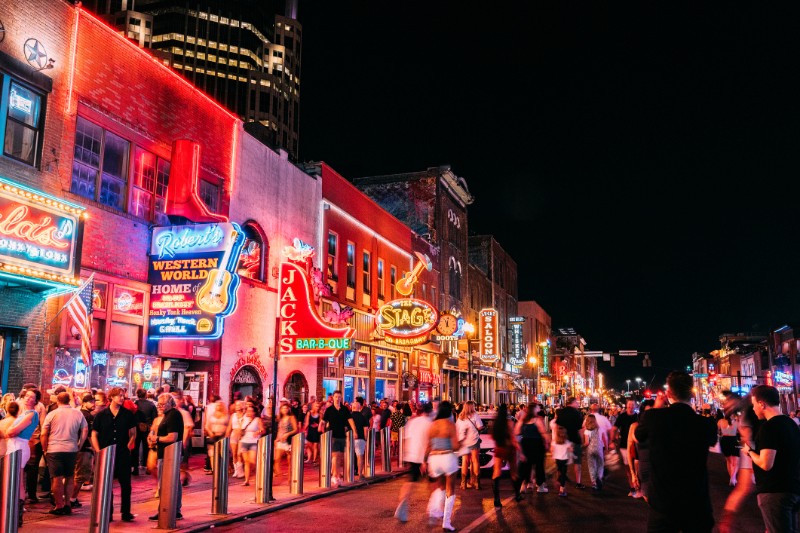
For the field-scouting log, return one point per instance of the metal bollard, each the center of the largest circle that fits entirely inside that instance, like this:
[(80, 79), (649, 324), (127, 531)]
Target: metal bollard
[(401, 439), (298, 453), (264, 470), (169, 486), (386, 449), (349, 457), (219, 486), (9, 497), (325, 443), (369, 453), (101, 491)]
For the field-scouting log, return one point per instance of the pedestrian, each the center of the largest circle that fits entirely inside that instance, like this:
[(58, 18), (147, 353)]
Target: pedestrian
[(506, 450), (215, 428), (442, 465), (117, 425), (562, 451), (415, 443), (16, 441), (100, 402), (571, 419), (621, 430), (338, 417), (313, 419), (84, 460), (595, 440), (145, 414), (235, 433), (63, 433), (252, 430), (398, 420), (468, 426), (152, 455), (170, 430), (360, 436), (533, 440), (776, 462), (188, 430), (749, 424), (678, 440), (32, 466)]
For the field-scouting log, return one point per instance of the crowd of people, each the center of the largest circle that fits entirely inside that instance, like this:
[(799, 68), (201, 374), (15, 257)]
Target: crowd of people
[(663, 444)]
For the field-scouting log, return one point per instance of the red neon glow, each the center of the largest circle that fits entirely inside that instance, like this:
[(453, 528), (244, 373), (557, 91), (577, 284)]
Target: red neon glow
[(299, 318), (234, 150), (182, 191)]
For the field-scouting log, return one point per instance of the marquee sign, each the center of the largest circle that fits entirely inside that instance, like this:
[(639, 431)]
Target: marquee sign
[(193, 280), (490, 342), (517, 353), (39, 235), (406, 322), (302, 332)]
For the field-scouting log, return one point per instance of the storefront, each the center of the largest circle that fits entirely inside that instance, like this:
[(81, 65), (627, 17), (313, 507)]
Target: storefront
[(248, 375)]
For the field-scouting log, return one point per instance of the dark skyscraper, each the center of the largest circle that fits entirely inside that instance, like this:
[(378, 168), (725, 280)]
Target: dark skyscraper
[(244, 53)]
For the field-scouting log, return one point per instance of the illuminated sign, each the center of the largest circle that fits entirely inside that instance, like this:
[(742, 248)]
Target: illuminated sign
[(426, 376), (782, 380), (128, 301), (545, 368), (251, 359), (19, 102), (146, 372), (490, 343), (38, 234), (302, 332), (517, 354), (192, 279), (406, 322)]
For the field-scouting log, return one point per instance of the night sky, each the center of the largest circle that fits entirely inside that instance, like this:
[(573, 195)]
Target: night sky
[(639, 161)]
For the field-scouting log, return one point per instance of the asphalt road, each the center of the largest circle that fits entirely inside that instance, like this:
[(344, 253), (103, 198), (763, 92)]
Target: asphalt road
[(371, 510)]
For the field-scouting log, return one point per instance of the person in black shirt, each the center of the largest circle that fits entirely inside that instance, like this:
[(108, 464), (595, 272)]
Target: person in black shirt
[(776, 464), (170, 431), (117, 425), (145, 414), (359, 439), (622, 426), (571, 419), (338, 416)]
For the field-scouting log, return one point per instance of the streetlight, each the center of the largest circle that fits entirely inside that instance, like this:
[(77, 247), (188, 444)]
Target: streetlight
[(532, 361), (638, 384), (629, 384), (468, 329)]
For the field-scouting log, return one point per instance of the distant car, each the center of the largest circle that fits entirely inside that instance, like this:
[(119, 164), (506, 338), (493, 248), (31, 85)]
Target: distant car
[(486, 454)]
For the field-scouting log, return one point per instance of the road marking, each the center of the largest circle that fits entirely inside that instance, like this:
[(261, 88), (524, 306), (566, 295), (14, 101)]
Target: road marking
[(488, 515)]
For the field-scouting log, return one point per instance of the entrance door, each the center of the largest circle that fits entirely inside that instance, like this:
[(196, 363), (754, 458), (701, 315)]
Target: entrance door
[(247, 382), (296, 387)]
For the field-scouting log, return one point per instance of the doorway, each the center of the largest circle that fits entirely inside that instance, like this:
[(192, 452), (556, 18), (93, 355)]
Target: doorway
[(296, 386)]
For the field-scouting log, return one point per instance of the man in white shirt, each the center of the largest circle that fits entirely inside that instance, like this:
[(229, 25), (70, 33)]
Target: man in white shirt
[(414, 446), (603, 423)]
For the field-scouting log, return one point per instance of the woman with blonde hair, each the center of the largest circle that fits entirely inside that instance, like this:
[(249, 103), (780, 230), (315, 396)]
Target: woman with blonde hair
[(468, 427), (235, 433)]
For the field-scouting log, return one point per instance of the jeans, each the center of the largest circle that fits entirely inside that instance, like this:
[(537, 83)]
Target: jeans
[(561, 465), (779, 510), (122, 471), (596, 463)]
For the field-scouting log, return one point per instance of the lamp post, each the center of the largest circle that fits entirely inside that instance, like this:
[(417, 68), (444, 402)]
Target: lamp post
[(469, 328), (532, 361), (629, 384), (639, 386)]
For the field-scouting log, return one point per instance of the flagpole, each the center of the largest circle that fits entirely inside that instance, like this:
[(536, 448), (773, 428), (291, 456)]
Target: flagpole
[(74, 295)]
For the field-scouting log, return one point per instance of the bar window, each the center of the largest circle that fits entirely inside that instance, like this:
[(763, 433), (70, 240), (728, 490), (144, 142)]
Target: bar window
[(333, 246), (100, 165), (393, 280), (23, 122), (149, 185), (209, 194), (381, 288), (365, 272), (351, 265)]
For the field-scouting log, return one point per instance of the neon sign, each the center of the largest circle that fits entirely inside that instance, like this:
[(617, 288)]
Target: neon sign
[(406, 322), (19, 102), (195, 289), (517, 356), (38, 234), (489, 339), (302, 332)]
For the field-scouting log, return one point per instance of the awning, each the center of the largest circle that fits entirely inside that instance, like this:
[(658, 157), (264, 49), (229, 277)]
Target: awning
[(430, 347)]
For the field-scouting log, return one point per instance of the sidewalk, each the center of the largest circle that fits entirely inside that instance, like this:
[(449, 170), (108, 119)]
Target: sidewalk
[(196, 502)]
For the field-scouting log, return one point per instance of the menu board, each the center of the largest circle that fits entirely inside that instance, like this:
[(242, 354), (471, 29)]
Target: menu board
[(145, 372)]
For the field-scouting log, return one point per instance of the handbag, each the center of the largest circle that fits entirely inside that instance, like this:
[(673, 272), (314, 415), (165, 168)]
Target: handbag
[(478, 430)]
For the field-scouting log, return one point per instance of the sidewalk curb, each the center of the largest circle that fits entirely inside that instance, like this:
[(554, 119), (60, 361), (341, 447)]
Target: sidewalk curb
[(271, 508)]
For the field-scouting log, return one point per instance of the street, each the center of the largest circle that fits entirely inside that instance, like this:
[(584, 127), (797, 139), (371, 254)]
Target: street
[(372, 508)]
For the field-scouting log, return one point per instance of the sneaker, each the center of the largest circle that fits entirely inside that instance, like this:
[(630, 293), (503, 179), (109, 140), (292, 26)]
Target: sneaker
[(208, 471), (637, 494), (128, 517), (335, 482), (87, 487), (75, 504), (59, 511), (542, 488), (529, 487), (179, 516), (562, 492), (153, 518)]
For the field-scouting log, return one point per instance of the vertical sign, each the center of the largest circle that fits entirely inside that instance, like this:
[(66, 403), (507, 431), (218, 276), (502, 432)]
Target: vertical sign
[(517, 353), (546, 359), (490, 343)]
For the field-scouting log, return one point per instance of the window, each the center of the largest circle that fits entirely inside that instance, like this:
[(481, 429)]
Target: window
[(251, 260), (349, 358), (379, 362), (365, 273), (209, 194), (391, 364), (393, 279), (149, 186), (351, 265), (380, 279), (333, 245), (23, 122), (100, 166)]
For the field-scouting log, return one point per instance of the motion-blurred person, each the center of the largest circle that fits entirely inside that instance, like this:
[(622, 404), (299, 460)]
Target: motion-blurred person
[(442, 465), (414, 447)]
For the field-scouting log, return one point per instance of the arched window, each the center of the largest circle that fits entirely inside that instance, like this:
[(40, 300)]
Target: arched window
[(253, 259)]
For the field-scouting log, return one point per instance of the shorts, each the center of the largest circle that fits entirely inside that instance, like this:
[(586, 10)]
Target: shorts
[(250, 446), (414, 470), (623, 452), (283, 445), (577, 451), (442, 464), (360, 446), (83, 467), (337, 446), (61, 464), (727, 445)]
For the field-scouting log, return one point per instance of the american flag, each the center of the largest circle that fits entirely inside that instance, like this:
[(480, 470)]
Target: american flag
[(80, 310)]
